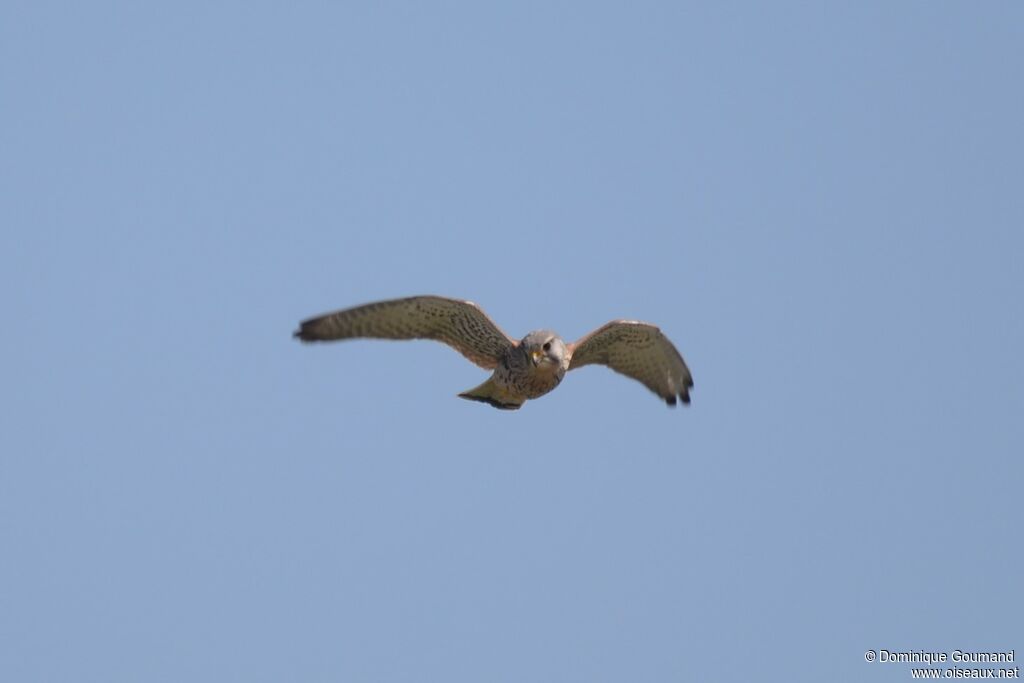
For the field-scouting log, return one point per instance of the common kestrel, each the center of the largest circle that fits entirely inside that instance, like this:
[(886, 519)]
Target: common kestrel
[(523, 369)]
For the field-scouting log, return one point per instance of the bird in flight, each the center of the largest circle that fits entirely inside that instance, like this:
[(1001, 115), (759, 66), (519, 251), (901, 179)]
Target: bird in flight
[(524, 369)]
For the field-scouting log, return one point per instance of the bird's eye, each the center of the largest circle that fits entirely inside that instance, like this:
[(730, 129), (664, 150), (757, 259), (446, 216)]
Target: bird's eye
[(547, 346)]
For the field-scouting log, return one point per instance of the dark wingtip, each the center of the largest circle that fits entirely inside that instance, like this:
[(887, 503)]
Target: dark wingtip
[(304, 333), (684, 397)]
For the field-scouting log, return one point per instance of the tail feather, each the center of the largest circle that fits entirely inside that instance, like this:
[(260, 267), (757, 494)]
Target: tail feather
[(491, 393)]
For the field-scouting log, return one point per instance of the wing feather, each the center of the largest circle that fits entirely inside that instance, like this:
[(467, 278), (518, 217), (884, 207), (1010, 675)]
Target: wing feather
[(638, 350), (459, 324)]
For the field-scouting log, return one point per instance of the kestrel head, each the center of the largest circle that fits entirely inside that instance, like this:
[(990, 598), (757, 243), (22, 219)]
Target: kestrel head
[(544, 347)]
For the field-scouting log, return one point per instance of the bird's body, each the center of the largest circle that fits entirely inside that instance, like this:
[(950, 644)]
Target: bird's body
[(524, 369), (530, 369)]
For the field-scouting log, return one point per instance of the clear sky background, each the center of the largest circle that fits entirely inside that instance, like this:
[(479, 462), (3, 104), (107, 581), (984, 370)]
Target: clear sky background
[(821, 204)]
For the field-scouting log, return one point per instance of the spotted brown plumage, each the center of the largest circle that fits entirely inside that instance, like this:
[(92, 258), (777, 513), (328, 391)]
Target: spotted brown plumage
[(523, 370), (459, 324), (638, 350)]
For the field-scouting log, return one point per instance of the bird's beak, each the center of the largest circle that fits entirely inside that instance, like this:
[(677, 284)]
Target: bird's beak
[(536, 356)]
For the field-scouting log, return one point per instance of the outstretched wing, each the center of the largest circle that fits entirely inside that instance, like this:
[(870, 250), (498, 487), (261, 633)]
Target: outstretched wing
[(460, 324), (638, 350)]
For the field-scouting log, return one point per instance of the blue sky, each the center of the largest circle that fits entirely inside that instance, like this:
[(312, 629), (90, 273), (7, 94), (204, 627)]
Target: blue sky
[(820, 204)]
